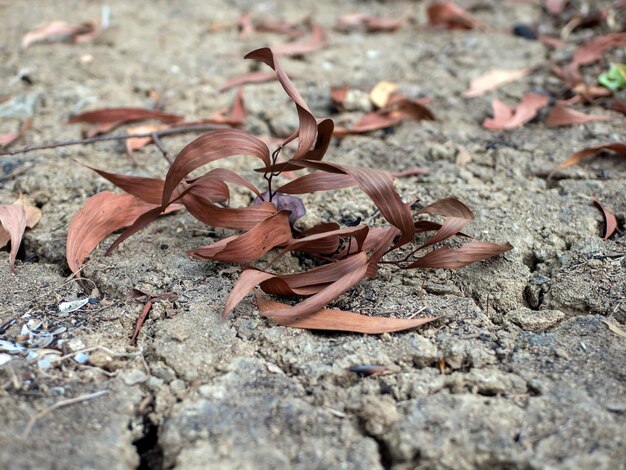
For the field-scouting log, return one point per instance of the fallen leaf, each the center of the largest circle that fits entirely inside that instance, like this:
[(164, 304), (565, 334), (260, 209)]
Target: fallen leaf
[(314, 43), (619, 106), (610, 222), (505, 117), (123, 115), (561, 115), (380, 94), (13, 220), (248, 78), (493, 79), (369, 23), (31, 213), (452, 16), (340, 320), (575, 158), (61, 31)]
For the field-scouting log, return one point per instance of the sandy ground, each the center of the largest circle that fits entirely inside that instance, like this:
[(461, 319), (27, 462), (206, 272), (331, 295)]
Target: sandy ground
[(520, 372)]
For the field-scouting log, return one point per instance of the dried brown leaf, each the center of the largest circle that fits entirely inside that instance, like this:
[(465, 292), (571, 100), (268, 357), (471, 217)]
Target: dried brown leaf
[(251, 245), (61, 31), (13, 221), (575, 158), (248, 78), (120, 116), (369, 23), (211, 147), (610, 222), (493, 79), (561, 115), (340, 320), (32, 214), (452, 16), (101, 215), (468, 253), (508, 118), (314, 43)]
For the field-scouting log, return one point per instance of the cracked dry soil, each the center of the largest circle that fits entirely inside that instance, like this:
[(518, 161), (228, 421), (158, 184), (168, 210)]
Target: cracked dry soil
[(520, 372)]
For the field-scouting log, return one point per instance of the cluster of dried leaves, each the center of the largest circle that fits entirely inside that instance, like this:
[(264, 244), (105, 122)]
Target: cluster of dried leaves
[(346, 255)]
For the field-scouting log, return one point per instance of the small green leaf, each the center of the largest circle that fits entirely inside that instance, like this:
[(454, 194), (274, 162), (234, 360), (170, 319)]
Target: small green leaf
[(615, 78)]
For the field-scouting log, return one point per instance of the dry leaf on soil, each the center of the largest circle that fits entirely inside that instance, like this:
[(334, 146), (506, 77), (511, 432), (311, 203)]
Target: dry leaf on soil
[(561, 115), (505, 117), (617, 147), (340, 320), (493, 79), (610, 222), (315, 42), (452, 16), (61, 31), (13, 222), (369, 23)]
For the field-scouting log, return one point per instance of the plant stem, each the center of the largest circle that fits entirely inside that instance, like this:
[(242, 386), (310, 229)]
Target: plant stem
[(102, 138)]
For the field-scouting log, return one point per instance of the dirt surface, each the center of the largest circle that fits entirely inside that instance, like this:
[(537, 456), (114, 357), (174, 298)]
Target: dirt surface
[(521, 371)]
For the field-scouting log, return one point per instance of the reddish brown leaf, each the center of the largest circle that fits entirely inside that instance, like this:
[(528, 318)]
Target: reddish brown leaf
[(493, 79), (468, 253), (60, 31), (378, 185), (251, 245), (137, 143), (32, 213), (561, 115), (458, 216), (371, 24), (610, 222), (13, 221), (240, 218), (575, 158), (252, 77), (308, 127), (211, 147), (505, 117), (340, 320), (149, 190), (317, 181), (140, 320), (101, 215), (119, 116), (452, 16), (314, 43)]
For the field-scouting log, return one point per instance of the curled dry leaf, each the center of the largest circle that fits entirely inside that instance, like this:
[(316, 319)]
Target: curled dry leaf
[(561, 115), (610, 222), (452, 16), (493, 79), (505, 117), (347, 254), (364, 22), (340, 320), (123, 115), (617, 147), (13, 220), (32, 215), (61, 31)]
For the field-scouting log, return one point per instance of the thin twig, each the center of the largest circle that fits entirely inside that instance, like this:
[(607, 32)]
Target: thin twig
[(159, 144), (102, 138), (60, 404)]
